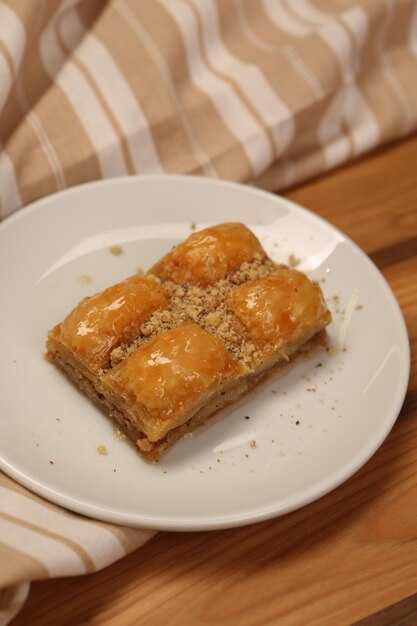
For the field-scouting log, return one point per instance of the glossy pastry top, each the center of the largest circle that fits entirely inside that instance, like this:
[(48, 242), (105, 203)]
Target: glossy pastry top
[(278, 308), (209, 255), (169, 375), (101, 322)]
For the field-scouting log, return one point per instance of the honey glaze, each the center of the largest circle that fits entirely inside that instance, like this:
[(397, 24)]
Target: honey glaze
[(209, 255), (101, 322), (172, 373), (277, 308)]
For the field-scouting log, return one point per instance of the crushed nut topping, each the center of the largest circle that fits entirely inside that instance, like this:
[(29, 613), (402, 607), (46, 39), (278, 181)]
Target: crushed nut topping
[(207, 308)]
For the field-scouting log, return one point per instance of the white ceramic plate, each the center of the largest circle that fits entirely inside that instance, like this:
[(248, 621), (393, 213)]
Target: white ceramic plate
[(314, 424)]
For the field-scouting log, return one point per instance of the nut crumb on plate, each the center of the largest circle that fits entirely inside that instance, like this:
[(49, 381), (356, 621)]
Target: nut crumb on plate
[(293, 260), (84, 279)]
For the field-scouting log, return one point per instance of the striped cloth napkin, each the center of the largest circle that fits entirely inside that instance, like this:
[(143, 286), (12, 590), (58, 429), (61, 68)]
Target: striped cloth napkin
[(269, 92)]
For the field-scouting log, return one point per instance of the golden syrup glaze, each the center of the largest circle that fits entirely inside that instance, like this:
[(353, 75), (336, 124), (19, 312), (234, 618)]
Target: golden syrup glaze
[(101, 322), (209, 255), (170, 375), (278, 308)]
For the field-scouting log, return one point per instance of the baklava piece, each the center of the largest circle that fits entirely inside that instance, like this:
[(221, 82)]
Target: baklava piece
[(162, 353)]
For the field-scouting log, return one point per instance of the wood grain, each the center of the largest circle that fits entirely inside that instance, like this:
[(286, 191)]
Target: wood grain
[(342, 559)]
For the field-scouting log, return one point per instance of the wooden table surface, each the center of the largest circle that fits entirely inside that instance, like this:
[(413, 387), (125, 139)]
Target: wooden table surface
[(350, 556)]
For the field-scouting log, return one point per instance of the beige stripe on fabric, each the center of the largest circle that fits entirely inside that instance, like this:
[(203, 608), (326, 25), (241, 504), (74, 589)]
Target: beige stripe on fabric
[(389, 71), (91, 11), (96, 546), (20, 566), (14, 24), (71, 38), (6, 73), (235, 115), (28, 85), (72, 146), (374, 81), (299, 61), (401, 58), (56, 557), (120, 539), (30, 74), (306, 118), (115, 92), (412, 33), (240, 18), (12, 34), (247, 47), (10, 198), (172, 129), (117, 141), (13, 38), (348, 109), (312, 49), (263, 25), (33, 172), (275, 65), (78, 159), (212, 135), (250, 80), (43, 138), (20, 107), (58, 544), (175, 142), (304, 71), (10, 61), (131, 538), (332, 31), (83, 99), (307, 90)]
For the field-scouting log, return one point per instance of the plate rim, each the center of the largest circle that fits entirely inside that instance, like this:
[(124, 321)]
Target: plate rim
[(252, 515)]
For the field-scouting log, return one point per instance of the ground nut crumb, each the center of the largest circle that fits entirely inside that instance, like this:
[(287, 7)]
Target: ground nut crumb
[(102, 449), (116, 356), (213, 319), (156, 279), (293, 260), (84, 279), (165, 316), (207, 308)]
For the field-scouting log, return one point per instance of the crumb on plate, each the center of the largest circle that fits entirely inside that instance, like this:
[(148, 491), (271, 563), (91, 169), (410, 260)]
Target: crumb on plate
[(84, 279)]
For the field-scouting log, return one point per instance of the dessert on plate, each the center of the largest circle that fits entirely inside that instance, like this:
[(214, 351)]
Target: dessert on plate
[(162, 353)]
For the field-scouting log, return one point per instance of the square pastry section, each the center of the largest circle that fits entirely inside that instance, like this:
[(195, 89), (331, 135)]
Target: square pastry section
[(160, 354)]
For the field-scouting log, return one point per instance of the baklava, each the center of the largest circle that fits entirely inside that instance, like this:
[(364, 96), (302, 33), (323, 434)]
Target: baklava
[(162, 353)]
